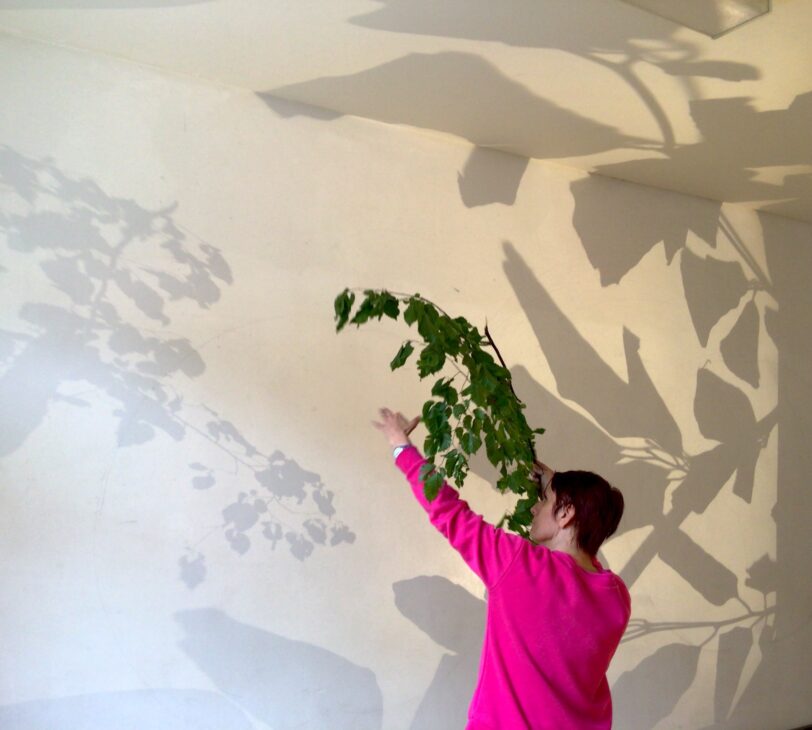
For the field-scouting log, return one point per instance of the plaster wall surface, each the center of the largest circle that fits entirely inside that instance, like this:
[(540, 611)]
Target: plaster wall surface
[(203, 529)]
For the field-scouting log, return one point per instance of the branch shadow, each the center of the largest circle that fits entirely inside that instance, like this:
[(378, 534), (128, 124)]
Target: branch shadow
[(444, 92), (629, 38), (449, 85), (114, 263), (627, 411), (785, 648), (611, 28), (730, 157), (454, 92), (771, 302)]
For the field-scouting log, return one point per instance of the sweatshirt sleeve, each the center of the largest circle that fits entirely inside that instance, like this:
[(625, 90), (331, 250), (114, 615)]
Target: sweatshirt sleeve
[(486, 549)]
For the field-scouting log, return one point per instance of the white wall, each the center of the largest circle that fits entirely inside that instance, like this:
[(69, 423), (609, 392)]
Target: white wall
[(202, 528)]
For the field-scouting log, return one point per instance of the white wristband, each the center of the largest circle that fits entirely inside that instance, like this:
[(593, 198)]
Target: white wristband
[(396, 451)]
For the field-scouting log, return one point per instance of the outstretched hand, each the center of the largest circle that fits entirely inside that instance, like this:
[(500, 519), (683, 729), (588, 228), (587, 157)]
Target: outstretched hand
[(395, 426)]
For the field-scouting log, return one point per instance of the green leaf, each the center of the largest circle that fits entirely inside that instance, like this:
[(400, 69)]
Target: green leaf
[(445, 440), (497, 418), (492, 449), (391, 307), (425, 469), (431, 360), (451, 460), (427, 323), (522, 514), (343, 304), (365, 311), (462, 471), (524, 505), (470, 442), (434, 415), (432, 485), (431, 478), (413, 311), (403, 354), (443, 389)]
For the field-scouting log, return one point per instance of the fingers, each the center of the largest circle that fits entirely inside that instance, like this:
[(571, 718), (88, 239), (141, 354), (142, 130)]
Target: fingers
[(387, 416)]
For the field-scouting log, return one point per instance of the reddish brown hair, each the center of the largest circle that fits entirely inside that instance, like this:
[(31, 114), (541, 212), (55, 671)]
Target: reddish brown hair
[(598, 506)]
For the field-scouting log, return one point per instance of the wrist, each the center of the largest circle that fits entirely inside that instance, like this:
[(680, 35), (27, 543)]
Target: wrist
[(398, 448)]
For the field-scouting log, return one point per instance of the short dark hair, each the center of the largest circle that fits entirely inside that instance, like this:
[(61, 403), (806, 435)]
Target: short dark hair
[(598, 506)]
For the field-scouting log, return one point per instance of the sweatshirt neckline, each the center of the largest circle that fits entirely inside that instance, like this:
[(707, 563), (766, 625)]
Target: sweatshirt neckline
[(574, 563)]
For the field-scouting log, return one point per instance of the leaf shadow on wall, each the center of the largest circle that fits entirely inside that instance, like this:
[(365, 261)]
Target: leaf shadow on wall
[(724, 164), (760, 139), (661, 678), (735, 305), (455, 619), (632, 412), (284, 683), (782, 672), (443, 91), (123, 270), (150, 709), (618, 42), (432, 92), (614, 29), (489, 177)]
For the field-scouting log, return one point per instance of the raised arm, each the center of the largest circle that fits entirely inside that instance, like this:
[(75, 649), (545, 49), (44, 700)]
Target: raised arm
[(486, 549)]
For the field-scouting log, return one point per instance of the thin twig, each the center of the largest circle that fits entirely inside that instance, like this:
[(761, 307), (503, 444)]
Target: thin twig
[(510, 384)]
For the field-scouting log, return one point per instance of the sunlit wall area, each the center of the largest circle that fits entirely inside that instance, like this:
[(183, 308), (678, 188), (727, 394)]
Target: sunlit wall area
[(201, 526)]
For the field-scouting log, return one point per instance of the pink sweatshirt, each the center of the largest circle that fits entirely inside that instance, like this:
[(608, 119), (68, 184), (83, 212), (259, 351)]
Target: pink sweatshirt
[(552, 627)]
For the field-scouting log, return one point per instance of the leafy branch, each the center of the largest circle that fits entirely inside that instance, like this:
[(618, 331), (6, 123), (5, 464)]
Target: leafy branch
[(485, 408)]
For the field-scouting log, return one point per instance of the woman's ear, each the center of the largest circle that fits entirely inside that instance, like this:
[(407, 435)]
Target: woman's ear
[(565, 516)]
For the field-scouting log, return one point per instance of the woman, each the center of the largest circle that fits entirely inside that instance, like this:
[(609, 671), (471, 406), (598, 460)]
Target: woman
[(555, 615)]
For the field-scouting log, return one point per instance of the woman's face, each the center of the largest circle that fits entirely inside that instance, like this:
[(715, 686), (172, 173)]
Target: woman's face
[(544, 526)]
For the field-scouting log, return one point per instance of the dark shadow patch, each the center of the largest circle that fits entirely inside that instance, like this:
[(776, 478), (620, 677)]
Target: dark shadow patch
[(491, 177), (455, 619), (284, 683), (620, 222), (444, 91), (650, 692), (734, 646), (712, 289), (740, 347), (154, 709)]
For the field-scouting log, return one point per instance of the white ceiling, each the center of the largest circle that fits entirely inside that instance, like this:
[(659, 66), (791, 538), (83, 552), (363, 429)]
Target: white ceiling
[(599, 85)]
